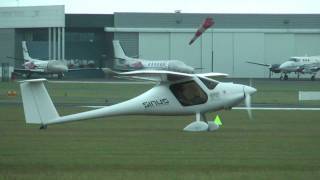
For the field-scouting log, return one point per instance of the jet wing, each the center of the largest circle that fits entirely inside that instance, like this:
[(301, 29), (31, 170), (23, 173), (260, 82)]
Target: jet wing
[(154, 75), (21, 71), (26, 71)]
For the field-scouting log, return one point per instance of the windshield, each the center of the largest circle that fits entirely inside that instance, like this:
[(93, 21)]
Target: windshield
[(209, 83), (293, 59)]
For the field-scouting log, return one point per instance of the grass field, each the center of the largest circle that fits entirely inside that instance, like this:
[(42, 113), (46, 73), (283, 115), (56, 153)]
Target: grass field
[(274, 145)]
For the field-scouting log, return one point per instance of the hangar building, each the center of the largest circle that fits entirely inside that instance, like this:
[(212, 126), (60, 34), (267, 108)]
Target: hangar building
[(87, 38)]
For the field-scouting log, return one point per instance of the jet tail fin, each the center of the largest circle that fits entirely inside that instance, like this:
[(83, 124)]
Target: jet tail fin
[(118, 51), (37, 104), (26, 55)]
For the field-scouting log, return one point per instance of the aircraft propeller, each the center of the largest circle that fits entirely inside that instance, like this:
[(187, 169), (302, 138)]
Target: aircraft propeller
[(247, 91)]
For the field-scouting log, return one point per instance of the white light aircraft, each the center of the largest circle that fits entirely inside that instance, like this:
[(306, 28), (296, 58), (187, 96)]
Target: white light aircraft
[(174, 94), (36, 66), (125, 63), (304, 65)]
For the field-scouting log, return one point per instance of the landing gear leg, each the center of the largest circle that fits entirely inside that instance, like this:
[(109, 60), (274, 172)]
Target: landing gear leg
[(201, 124), (313, 77), (43, 126), (60, 76), (29, 75)]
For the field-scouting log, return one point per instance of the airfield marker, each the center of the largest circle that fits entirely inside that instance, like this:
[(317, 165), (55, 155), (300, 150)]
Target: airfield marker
[(217, 120)]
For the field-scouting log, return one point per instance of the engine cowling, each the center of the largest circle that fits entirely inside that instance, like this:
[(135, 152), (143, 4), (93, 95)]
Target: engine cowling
[(57, 66)]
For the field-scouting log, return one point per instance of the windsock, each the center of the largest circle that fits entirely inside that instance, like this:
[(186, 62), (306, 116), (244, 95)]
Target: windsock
[(208, 22)]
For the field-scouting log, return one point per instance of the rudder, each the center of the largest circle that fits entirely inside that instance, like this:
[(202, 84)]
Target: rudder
[(37, 104), (118, 51)]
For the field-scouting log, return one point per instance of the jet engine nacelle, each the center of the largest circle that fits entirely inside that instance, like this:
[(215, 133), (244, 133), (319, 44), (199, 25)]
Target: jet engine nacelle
[(56, 66)]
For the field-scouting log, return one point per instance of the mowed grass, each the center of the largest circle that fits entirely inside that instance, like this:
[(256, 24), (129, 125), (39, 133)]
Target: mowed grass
[(274, 145)]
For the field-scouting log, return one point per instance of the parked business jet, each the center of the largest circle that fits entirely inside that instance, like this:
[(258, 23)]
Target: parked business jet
[(36, 66), (125, 63)]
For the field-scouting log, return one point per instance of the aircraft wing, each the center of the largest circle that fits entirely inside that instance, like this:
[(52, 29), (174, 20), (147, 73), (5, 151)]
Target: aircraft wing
[(260, 64), (26, 71), (154, 75), (313, 68), (20, 70), (213, 75), (80, 69)]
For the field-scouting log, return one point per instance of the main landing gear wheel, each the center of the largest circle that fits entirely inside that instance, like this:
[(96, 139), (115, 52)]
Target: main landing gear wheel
[(201, 124)]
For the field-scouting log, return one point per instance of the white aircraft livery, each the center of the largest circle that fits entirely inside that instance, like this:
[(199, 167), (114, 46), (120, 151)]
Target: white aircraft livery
[(304, 65), (32, 65), (174, 94), (125, 63)]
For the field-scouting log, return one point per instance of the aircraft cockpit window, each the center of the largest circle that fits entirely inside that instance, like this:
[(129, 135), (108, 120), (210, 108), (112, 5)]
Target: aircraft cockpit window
[(294, 59), (210, 84), (189, 93)]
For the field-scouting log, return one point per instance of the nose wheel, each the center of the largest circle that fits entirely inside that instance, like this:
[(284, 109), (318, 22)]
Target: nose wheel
[(285, 77)]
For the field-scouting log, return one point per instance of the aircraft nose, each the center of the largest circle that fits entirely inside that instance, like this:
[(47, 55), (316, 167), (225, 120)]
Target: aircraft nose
[(283, 66), (190, 69), (62, 68), (249, 90)]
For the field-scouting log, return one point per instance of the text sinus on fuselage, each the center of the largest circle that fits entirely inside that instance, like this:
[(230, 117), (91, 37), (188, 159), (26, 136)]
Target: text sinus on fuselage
[(155, 103)]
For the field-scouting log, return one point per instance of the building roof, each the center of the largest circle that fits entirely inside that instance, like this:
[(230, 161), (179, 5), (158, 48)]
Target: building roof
[(89, 20), (182, 20)]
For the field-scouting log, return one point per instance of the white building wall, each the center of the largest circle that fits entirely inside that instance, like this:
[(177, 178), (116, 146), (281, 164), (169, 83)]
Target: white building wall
[(151, 49), (307, 44), (223, 58), (247, 46), (32, 16), (231, 47)]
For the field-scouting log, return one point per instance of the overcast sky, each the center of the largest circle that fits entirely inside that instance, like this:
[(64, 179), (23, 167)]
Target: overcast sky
[(186, 6)]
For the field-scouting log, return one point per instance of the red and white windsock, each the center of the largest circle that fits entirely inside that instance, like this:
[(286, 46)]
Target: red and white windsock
[(208, 22)]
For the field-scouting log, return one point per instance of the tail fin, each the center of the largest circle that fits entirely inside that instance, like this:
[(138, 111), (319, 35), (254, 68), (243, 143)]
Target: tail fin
[(25, 52), (37, 104), (118, 51)]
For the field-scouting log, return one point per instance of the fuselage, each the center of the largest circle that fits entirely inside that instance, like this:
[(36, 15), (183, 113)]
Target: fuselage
[(188, 96), (301, 64), (125, 63), (50, 66), (168, 65)]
